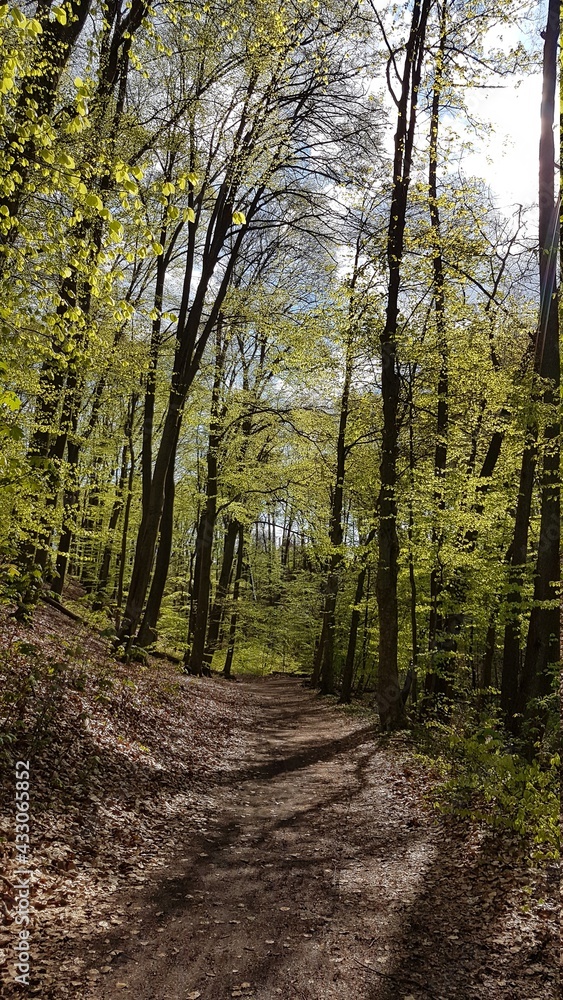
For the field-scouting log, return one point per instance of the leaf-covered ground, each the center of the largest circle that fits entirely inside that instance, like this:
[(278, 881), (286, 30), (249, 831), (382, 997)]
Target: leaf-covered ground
[(199, 839)]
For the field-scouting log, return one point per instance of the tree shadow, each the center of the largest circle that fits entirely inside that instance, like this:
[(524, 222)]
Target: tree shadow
[(461, 938)]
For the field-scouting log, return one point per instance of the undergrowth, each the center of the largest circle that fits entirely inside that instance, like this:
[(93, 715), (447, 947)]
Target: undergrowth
[(483, 780)]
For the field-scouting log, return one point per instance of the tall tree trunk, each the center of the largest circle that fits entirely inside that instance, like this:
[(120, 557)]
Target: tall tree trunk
[(125, 528), (194, 583), (216, 614), (195, 661), (118, 505), (348, 672), (336, 530), (103, 576), (318, 655), (542, 644), (410, 535), (488, 656), (148, 632), (192, 335), (52, 49), (227, 670), (71, 500), (391, 709), (436, 682), (517, 568)]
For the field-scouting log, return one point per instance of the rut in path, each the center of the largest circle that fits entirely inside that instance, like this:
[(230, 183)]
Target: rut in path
[(324, 879)]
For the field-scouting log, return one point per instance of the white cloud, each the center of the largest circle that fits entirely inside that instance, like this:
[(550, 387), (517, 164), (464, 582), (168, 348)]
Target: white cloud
[(508, 158)]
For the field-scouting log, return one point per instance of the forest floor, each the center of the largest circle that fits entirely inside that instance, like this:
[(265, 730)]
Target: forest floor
[(213, 840)]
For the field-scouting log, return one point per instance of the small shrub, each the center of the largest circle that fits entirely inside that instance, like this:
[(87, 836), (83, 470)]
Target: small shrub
[(482, 781)]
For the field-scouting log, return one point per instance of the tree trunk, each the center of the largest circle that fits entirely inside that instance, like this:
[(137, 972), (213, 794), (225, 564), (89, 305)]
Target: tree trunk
[(195, 662), (391, 709), (53, 47), (71, 500), (227, 669), (191, 342), (103, 575), (436, 682), (216, 614), (336, 529), (348, 672), (147, 632), (125, 529), (489, 653), (542, 646), (542, 643)]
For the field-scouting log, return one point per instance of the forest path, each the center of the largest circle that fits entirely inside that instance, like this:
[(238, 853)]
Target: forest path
[(325, 878)]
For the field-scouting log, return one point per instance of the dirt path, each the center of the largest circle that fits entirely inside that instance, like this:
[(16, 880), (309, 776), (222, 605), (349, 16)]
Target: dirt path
[(324, 879)]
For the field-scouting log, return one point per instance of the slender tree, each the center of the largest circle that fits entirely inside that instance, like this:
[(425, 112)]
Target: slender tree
[(388, 692)]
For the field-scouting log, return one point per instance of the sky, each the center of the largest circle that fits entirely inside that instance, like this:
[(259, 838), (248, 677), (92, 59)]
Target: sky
[(508, 158)]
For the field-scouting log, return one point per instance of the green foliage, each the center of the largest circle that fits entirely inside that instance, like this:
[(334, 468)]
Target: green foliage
[(481, 780), (258, 660), (238, 140)]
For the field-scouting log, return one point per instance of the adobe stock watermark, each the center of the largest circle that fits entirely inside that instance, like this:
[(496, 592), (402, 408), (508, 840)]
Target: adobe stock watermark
[(21, 906)]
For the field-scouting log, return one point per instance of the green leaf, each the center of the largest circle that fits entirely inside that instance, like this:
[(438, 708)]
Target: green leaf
[(93, 201), (10, 400)]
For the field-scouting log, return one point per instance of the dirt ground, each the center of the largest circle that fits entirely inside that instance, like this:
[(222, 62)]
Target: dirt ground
[(323, 876)]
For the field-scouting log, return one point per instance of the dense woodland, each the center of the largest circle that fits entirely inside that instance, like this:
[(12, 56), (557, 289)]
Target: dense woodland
[(280, 381)]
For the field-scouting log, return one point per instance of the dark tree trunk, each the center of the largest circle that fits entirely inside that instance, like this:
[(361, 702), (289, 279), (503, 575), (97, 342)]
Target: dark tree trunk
[(488, 656), (190, 345), (118, 505), (517, 567), (148, 632), (154, 351), (195, 661), (126, 517), (227, 670), (326, 651), (436, 682), (216, 614), (542, 648), (53, 47), (348, 672), (391, 709), (194, 586), (71, 500), (414, 623)]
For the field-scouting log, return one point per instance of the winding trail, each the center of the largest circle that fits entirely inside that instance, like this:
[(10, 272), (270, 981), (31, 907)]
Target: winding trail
[(324, 878)]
